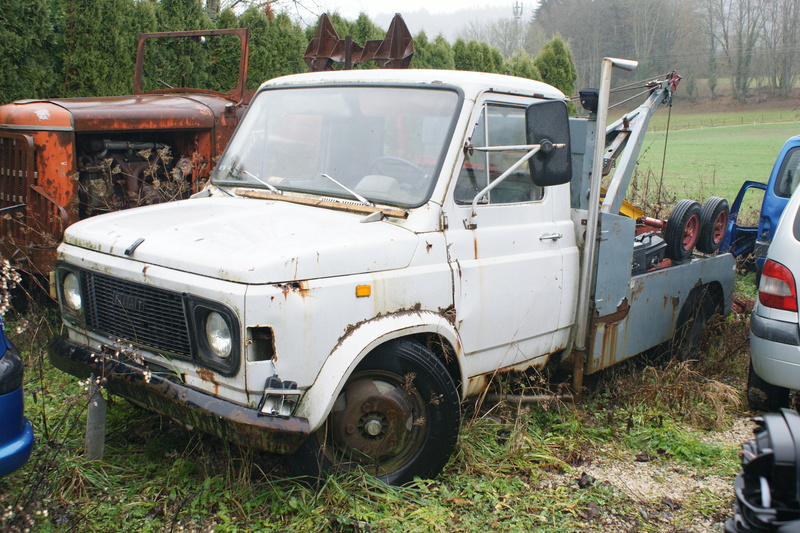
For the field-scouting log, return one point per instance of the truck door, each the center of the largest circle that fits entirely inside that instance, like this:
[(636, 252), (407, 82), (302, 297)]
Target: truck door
[(513, 302)]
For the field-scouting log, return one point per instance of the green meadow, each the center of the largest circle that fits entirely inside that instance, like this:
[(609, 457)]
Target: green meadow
[(712, 154)]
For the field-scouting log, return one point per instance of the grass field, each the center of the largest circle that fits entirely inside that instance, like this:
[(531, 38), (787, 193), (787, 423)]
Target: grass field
[(701, 160)]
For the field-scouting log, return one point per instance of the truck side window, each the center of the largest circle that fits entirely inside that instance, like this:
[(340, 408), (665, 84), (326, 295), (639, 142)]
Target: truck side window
[(789, 175), (498, 125)]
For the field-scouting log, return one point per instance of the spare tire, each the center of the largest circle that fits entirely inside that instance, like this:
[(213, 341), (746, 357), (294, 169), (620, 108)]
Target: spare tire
[(713, 224), (683, 230)]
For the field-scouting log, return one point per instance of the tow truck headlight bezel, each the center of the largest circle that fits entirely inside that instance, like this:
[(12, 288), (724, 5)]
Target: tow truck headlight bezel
[(216, 335)]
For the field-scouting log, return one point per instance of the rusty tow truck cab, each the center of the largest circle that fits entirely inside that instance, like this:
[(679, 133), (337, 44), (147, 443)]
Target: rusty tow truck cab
[(67, 159), (374, 247)]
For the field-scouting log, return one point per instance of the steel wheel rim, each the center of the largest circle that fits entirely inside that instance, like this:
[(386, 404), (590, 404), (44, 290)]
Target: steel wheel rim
[(376, 422), (690, 232), (720, 226)]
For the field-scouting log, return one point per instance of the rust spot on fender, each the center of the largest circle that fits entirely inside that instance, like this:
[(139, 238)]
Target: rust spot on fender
[(416, 308), (449, 313), (299, 287), (208, 376)]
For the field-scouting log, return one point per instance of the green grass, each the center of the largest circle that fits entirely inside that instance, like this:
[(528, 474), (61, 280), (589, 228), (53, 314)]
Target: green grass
[(516, 468), (715, 161)]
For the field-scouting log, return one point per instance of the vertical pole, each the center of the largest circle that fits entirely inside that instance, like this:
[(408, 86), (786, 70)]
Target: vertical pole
[(95, 423), (592, 230), (348, 53)]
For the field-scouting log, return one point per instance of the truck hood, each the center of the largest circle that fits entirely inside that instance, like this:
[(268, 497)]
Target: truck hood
[(248, 241), (146, 111)]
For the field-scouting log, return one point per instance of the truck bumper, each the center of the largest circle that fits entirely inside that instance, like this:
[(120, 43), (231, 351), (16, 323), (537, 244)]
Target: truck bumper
[(192, 408), (775, 351)]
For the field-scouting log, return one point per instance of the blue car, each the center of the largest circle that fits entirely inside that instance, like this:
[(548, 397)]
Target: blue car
[(16, 434)]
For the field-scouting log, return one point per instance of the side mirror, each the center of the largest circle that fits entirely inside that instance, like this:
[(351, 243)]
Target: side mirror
[(547, 123)]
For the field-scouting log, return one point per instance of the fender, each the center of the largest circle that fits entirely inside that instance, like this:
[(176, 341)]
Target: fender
[(357, 344)]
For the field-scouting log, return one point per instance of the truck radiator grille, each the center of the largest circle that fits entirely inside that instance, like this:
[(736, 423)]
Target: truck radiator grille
[(16, 178), (152, 318)]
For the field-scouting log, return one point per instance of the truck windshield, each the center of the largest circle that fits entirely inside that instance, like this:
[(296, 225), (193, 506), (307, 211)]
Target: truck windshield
[(386, 144)]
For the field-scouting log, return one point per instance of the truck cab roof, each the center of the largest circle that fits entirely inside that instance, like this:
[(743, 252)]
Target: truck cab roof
[(472, 83)]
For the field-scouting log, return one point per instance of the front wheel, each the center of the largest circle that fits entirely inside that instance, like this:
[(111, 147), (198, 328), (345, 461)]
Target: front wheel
[(396, 418)]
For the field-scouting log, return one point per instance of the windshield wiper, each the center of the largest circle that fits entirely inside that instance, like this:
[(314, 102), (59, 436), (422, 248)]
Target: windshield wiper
[(352, 192), (237, 170), (262, 182)]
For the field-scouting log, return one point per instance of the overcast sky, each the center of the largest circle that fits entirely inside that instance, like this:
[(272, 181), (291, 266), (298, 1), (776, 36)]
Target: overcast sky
[(350, 9), (429, 15)]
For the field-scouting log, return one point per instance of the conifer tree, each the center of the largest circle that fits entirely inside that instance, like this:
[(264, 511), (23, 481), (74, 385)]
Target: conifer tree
[(555, 65), (225, 54), (441, 54), (521, 65), (27, 43)]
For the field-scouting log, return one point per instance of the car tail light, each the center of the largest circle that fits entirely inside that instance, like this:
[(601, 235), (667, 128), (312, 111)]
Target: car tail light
[(777, 288)]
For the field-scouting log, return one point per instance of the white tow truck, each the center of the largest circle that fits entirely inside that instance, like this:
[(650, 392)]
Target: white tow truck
[(374, 247)]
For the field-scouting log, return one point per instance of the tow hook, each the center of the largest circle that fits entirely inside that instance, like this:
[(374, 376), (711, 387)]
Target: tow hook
[(280, 397)]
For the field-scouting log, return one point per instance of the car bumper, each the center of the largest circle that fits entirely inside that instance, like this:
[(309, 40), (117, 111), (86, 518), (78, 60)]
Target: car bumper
[(188, 406), (16, 439), (775, 351)]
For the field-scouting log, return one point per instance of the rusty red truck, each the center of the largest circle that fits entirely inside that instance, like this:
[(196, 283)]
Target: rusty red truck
[(66, 159)]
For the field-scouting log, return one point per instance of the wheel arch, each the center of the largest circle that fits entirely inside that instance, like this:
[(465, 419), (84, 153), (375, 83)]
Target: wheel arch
[(429, 328), (710, 294)]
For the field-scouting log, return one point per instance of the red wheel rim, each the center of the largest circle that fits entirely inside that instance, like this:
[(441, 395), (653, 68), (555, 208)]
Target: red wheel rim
[(720, 226), (690, 232)]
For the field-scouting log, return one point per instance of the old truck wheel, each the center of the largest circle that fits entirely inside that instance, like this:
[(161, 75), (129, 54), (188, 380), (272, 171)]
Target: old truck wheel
[(683, 229), (692, 320), (713, 223), (763, 396), (396, 418)]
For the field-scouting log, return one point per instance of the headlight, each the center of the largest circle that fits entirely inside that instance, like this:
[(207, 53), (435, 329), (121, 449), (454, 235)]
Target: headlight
[(71, 290), (218, 335)]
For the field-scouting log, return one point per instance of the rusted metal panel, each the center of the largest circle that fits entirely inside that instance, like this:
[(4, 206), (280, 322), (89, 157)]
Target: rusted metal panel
[(326, 48), (648, 316), (614, 262), (154, 136), (115, 113), (239, 94), (188, 406)]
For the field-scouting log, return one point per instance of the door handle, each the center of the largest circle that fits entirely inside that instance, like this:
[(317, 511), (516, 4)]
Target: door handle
[(551, 237)]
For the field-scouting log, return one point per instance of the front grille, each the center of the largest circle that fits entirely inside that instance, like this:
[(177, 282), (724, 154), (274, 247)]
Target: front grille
[(152, 318), (17, 175)]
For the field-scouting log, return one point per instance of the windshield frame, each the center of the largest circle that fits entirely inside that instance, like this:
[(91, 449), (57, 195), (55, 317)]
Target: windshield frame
[(339, 194)]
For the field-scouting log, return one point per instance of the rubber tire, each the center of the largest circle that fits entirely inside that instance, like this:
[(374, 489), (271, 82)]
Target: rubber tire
[(765, 397), (394, 360), (686, 212), (691, 324), (715, 212)]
